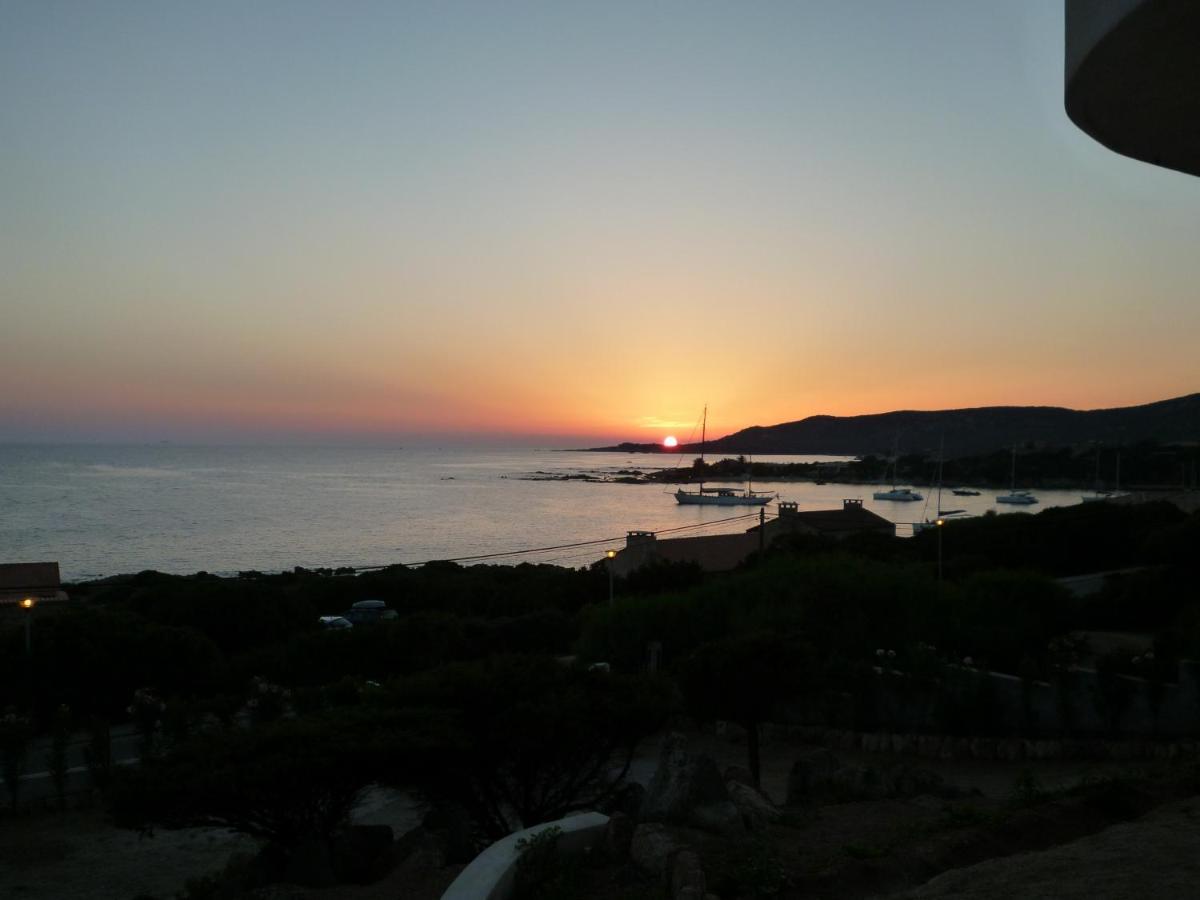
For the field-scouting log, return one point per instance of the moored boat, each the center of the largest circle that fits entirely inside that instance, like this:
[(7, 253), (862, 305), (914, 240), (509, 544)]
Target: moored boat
[(901, 494), (1016, 497), (720, 496)]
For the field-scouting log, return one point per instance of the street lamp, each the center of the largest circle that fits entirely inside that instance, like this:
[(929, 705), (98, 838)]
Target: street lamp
[(609, 556), (940, 523), (27, 604)]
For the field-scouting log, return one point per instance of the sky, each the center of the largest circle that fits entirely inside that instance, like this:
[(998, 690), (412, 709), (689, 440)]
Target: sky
[(555, 222)]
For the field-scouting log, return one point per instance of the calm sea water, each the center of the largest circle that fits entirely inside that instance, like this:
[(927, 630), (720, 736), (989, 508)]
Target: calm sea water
[(106, 509)]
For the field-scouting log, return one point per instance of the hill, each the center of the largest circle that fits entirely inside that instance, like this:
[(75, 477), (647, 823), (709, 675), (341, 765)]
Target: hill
[(966, 431)]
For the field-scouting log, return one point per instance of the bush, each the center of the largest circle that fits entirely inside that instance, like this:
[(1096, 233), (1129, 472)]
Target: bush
[(287, 782)]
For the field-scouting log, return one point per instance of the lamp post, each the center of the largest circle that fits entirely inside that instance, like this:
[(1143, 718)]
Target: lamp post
[(27, 604), (940, 523), (609, 556)]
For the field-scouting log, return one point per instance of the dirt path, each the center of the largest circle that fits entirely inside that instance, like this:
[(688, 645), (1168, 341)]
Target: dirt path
[(1156, 857), (80, 856)]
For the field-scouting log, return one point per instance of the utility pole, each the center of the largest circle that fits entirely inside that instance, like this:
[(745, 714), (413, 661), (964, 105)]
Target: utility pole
[(609, 556)]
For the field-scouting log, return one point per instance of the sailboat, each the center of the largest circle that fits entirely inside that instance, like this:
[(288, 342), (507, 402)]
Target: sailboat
[(720, 496), (1015, 497), (1097, 495), (902, 494), (942, 514)]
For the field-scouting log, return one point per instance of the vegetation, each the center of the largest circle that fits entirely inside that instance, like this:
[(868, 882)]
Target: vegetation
[(483, 698), (744, 679)]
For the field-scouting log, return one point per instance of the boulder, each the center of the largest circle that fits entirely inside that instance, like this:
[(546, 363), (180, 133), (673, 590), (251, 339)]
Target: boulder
[(360, 853), (718, 818), (912, 781), (740, 774), (756, 810), (653, 849), (688, 789), (687, 877), (810, 774), (455, 831), (628, 800), (618, 836), (310, 864)]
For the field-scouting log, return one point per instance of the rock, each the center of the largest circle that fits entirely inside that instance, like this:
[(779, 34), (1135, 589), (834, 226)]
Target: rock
[(687, 875), (911, 781), (730, 731), (740, 774), (454, 829), (310, 864), (718, 818), (628, 801), (618, 836), (653, 849), (278, 892), (756, 810), (688, 789), (809, 774), (360, 853)]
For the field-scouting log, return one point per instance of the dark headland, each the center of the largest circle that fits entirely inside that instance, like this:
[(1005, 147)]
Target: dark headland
[(964, 431)]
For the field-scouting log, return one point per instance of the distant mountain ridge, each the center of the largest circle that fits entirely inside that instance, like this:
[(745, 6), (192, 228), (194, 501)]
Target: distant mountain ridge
[(966, 431)]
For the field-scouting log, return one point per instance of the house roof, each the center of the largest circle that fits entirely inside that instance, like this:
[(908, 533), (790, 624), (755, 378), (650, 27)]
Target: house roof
[(849, 518), (20, 576), (713, 552), (21, 580)]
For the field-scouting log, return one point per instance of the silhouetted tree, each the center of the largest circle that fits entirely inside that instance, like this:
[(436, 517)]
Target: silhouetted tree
[(536, 739), (743, 678)]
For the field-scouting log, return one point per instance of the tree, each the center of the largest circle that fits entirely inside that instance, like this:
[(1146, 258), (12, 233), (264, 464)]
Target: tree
[(742, 679), (535, 739)]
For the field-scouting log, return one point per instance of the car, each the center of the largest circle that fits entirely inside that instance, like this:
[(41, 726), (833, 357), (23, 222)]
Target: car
[(369, 612), (335, 623)]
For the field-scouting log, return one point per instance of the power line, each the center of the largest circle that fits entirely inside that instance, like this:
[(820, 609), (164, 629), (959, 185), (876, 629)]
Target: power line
[(572, 546)]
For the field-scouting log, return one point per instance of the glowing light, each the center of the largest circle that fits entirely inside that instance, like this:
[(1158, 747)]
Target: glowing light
[(669, 441)]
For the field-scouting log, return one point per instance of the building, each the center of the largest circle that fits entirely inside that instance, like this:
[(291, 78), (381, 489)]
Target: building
[(853, 518), (724, 552), (711, 552), (37, 581)]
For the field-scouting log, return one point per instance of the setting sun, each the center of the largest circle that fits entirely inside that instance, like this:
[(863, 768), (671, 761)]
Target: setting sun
[(669, 441)]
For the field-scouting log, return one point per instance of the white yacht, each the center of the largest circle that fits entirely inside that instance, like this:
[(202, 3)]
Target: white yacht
[(720, 496), (1014, 496)]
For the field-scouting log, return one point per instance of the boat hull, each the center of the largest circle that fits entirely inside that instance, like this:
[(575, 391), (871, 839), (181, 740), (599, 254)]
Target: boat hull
[(904, 496), (1017, 499), (691, 499)]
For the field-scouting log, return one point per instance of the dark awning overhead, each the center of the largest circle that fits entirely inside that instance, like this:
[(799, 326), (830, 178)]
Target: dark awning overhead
[(1133, 77)]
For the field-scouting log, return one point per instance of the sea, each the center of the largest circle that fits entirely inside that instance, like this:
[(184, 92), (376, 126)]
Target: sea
[(107, 509)]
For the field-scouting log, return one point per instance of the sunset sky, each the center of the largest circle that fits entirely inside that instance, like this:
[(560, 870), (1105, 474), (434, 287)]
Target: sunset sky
[(561, 221)]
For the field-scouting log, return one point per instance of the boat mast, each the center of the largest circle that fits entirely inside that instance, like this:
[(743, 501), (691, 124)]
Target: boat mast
[(703, 441), (941, 458), (1013, 480)]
